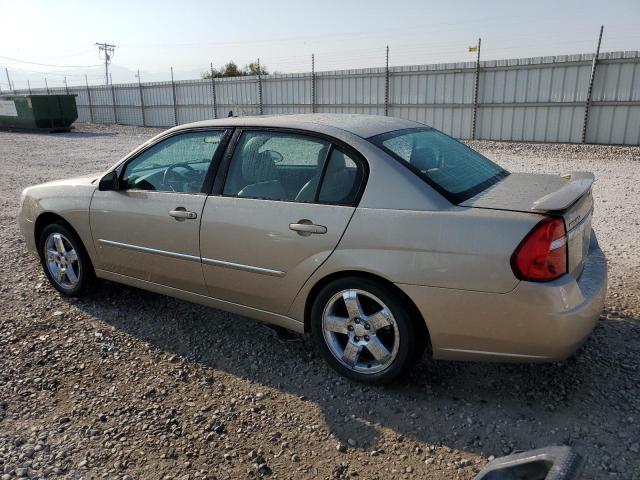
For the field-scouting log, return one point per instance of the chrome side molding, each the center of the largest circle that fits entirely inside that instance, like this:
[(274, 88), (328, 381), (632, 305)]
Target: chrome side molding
[(241, 266), (194, 258), (138, 248)]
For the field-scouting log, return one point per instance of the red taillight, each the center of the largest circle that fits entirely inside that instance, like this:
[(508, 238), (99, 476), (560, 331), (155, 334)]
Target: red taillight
[(542, 255)]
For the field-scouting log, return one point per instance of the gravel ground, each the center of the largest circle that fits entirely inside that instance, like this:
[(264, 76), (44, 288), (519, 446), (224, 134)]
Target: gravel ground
[(130, 384)]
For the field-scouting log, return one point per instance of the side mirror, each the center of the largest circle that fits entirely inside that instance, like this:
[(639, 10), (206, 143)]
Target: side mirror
[(109, 182)]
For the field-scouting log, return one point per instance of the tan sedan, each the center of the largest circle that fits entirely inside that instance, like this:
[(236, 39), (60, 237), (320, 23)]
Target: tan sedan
[(377, 235)]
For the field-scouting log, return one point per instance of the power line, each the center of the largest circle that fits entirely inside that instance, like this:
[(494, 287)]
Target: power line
[(419, 29), (46, 64)]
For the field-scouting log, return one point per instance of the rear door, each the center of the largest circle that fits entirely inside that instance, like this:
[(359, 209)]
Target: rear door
[(263, 232)]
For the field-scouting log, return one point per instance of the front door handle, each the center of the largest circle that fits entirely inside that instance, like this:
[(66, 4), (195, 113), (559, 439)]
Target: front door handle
[(305, 228), (181, 213)]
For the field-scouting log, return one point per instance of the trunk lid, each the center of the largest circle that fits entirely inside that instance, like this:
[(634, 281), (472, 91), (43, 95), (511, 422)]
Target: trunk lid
[(567, 195)]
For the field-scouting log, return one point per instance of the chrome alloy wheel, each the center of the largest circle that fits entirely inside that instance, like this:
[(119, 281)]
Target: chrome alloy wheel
[(360, 331), (62, 261)]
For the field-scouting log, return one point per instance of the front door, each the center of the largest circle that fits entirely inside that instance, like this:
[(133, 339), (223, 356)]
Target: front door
[(286, 201), (149, 228)]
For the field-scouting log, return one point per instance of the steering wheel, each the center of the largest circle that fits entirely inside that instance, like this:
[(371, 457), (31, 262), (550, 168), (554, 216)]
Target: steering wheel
[(170, 170)]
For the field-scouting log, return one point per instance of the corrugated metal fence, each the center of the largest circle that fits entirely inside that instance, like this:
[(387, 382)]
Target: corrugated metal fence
[(540, 99)]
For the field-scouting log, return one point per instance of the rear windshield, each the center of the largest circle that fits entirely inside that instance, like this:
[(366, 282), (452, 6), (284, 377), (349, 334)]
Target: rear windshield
[(450, 167)]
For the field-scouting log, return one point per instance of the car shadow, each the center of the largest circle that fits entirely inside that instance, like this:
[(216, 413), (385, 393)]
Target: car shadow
[(476, 407)]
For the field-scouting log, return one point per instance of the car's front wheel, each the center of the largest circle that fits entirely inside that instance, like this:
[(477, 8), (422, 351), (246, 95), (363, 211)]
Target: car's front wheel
[(65, 261), (363, 330)]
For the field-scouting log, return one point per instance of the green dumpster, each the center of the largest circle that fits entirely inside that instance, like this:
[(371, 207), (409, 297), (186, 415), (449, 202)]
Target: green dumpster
[(51, 113)]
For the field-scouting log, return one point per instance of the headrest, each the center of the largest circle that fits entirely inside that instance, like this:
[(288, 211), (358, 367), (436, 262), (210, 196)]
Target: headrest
[(257, 166), (423, 158), (337, 162)]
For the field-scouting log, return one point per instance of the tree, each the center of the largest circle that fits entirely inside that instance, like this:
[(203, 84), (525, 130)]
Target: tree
[(232, 70), (254, 68), (214, 73)]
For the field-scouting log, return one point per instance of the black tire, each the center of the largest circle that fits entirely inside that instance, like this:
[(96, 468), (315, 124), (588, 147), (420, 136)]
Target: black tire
[(408, 350), (85, 273)]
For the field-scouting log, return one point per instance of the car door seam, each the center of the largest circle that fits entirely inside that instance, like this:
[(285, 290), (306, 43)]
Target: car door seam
[(344, 231)]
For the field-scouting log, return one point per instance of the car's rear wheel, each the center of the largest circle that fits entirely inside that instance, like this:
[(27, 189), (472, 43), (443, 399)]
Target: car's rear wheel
[(363, 330), (65, 261)]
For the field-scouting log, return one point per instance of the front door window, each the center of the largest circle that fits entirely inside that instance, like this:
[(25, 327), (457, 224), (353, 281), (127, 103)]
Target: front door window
[(177, 164)]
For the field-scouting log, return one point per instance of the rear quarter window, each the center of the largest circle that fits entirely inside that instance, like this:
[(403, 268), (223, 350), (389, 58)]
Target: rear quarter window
[(449, 166)]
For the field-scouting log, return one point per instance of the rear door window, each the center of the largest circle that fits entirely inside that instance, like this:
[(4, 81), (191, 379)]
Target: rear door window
[(449, 166), (292, 167), (342, 179), (276, 166)]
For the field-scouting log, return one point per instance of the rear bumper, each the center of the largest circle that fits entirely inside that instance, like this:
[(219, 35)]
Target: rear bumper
[(535, 322)]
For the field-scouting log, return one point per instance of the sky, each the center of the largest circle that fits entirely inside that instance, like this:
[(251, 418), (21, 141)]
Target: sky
[(55, 39)]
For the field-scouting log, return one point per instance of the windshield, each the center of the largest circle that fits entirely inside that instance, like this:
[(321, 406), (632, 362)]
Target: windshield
[(449, 166)]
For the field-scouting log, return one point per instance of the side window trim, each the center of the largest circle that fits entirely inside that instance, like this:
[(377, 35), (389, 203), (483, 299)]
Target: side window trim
[(325, 165), (211, 170), (223, 170), (216, 161), (234, 138)]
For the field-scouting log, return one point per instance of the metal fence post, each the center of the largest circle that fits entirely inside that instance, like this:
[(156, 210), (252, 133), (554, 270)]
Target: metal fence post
[(474, 119), (213, 93), (89, 99), (113, 101), (175, 106), (313, 83), (260, 88), (587, 104), (386, 85), (29, 86), (66, 85), (144, 120), (47, 85), (6, 71)]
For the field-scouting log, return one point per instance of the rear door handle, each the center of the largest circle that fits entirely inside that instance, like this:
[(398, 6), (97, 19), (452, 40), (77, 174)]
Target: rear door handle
[(181, 213), (306, 227)]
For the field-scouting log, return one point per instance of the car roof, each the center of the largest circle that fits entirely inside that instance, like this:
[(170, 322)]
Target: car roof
[(364, 126)]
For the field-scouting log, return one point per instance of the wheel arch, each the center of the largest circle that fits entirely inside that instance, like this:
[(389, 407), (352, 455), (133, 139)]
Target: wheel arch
[(418, 320), (49, 218)]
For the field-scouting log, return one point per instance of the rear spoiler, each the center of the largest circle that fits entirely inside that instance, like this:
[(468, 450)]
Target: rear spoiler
[(578, 183)]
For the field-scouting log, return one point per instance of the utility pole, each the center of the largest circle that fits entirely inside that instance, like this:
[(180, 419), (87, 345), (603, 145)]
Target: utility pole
[(46, 85), (107, 50)]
